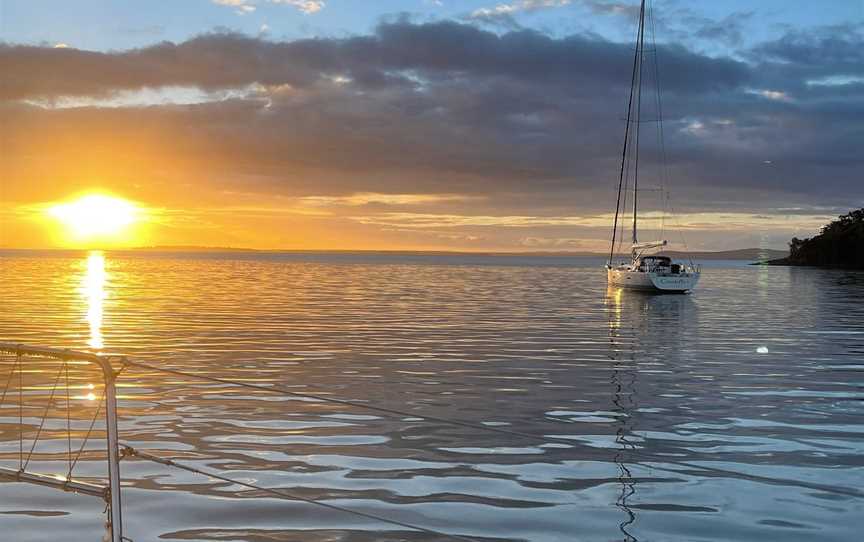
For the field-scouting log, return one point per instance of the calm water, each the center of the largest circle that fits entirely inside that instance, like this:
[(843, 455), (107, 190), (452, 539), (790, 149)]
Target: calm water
[(734, 413)]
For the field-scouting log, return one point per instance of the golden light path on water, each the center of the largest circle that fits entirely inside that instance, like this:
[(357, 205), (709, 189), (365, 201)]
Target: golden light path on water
[(94, 294)]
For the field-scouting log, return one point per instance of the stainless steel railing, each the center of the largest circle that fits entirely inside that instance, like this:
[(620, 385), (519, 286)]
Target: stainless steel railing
[(23, 354)]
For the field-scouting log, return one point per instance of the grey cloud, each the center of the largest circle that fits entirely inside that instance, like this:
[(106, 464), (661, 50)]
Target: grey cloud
[(441, 49), (800, 56), (629, 10), (837, 46), (523, 119), (729, 30)]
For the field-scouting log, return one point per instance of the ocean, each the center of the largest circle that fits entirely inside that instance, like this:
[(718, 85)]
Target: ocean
[(735, 412)]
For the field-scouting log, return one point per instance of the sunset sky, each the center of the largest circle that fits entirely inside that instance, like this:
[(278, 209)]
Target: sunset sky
[(420, 124)]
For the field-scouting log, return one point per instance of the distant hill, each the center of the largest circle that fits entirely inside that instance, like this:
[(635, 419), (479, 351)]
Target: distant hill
[(191, 248), (839, 244), (752, 254), (760, 255)]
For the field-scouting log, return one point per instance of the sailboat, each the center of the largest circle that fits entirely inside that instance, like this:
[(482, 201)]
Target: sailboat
[(644, 270)]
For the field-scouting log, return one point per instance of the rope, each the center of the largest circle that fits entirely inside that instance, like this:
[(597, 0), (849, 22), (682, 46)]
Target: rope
[(640, 47), (346, 402), (3, 398), (9, 380), (664, 171), (629, 158), (674, 217), (664, 166), (644, 458), (68, 418), (123, 367), (624, 159), (130, 451), (44, 416), (20, 412), (86, 437)]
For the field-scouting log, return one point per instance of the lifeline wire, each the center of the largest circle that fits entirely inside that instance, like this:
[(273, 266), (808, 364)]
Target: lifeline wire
[(86, 437), (48, 405), (356, 404), (130, 451), (645, 458)]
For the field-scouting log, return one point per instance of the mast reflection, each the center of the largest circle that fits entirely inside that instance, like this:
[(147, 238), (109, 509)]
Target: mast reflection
[(623, 385), (644, 328)]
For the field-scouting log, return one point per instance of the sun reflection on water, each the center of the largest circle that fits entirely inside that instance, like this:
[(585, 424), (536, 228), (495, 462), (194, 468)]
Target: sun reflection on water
[(94, 293)]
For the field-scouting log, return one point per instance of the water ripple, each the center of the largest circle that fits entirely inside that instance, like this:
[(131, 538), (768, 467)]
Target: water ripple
[(732, 413)]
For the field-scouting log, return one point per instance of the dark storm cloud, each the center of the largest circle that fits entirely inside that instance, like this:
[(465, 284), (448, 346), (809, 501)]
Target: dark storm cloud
[(520, 118)]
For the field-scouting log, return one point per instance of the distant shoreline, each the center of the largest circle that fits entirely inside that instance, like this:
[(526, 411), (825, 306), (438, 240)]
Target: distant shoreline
[(752, 254), (787, 262), (838, 245)]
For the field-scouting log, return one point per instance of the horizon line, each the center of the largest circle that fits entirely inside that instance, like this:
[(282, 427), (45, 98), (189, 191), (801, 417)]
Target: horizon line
[(198, 248)]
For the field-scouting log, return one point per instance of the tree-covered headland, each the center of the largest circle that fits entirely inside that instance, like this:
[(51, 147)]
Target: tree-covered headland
[(838, 244)]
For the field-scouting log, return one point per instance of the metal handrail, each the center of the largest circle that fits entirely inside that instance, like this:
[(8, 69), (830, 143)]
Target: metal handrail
[(115, 515)]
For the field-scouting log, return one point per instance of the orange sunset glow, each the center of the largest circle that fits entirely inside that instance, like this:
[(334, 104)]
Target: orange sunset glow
[(320, 145), (415, 270)]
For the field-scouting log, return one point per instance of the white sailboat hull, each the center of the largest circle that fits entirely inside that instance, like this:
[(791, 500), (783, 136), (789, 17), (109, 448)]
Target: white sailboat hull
[(626, 277)]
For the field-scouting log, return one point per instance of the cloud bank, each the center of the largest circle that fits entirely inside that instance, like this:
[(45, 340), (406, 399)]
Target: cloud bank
[(469, 121)]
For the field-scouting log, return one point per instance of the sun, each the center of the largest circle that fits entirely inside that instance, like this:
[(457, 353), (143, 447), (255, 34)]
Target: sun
[(96, 216)]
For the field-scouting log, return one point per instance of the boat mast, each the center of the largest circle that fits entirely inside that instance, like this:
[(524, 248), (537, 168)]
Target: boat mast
[(636, 63), (640, 46)]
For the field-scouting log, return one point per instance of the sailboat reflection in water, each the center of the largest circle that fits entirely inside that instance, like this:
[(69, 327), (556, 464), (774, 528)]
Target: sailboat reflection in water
[(624, 401), (644, 329)]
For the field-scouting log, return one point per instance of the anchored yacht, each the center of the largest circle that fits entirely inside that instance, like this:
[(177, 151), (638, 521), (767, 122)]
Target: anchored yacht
[(652, 272), (643, 270)]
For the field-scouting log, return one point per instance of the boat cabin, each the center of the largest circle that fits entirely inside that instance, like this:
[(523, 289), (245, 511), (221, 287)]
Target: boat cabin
[(658, 264)]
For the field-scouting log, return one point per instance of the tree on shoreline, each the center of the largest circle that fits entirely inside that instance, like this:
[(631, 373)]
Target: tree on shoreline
[(838, 244)]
